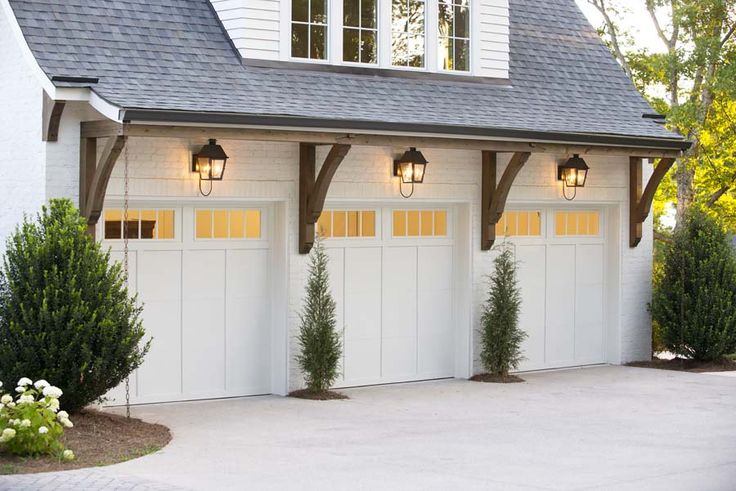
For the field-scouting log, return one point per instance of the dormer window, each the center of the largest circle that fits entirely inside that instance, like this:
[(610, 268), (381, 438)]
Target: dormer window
[(360, 31), (309, 29), (407, 33), (454, 35)]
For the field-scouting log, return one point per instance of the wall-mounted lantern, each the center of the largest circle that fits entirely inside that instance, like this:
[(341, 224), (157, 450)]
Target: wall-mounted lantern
[(573, 174), (410, 168), (210, 164)]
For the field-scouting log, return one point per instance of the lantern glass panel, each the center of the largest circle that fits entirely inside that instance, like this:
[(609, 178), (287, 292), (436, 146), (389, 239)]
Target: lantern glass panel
[(407, 172), (419, 173), (582, 176), (218, 169)]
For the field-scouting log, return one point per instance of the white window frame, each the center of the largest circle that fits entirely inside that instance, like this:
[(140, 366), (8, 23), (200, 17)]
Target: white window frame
[(379, 41), (431, 39), (471, 43)]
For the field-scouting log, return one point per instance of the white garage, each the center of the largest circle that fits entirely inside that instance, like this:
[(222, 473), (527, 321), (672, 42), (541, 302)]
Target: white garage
[(391, 273), (202, 274), (562, 273)]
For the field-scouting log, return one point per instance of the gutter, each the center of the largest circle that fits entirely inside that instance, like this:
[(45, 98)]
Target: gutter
[(164, 116)]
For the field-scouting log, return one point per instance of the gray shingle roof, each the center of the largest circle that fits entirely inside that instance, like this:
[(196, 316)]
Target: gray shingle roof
[(174, 55)]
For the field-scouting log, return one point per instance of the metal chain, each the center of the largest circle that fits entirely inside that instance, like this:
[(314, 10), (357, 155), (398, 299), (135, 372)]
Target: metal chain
[(126, 196)]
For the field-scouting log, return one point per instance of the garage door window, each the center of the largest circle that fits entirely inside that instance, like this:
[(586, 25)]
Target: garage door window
[(577, 223), (521, 223), (420, 223), (142, 224), (347, 224), (227, 224)]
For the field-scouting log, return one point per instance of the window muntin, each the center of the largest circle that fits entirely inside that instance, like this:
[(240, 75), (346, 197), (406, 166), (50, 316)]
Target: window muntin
[(347, 224), (419, 223), (309, 30), (146, 224), (408, 19), (521, 223), (454, 35), (360, 31), (227, 224), (577, 223)]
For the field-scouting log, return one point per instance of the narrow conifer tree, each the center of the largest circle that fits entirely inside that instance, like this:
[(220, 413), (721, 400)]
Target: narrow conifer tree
[(501, 336), (319, 341)]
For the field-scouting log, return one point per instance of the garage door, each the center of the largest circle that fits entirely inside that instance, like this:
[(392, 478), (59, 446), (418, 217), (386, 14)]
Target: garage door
[(391, 274), (202, 275), (561, 256)]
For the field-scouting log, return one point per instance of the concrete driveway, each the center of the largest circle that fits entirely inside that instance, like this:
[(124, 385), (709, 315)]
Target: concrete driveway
[(596, 428)]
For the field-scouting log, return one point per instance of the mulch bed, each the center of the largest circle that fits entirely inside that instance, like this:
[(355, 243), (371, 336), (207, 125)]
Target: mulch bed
[(496, 379), (323, 395), (97, 439), (683, 365)]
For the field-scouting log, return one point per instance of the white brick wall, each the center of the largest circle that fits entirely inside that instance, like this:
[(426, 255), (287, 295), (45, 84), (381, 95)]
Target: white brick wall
[(22, 167)]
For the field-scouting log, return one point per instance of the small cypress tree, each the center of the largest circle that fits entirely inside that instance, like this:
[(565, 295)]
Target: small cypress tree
[(694, 299), (319, 341), (501, 336), (65, 312)]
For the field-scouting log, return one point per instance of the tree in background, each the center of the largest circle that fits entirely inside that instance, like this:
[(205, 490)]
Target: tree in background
[(319, 342), (65, 311), (501, 336), (693, 83), (694, 304)]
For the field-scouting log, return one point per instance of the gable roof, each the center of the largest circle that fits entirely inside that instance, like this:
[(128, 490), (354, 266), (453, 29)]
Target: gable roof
[(171, 60)]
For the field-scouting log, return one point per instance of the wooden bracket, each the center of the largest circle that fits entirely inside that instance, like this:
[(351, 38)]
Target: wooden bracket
[(94, 175), (640, 203), (312, 193), (494, 195), (52, 112)]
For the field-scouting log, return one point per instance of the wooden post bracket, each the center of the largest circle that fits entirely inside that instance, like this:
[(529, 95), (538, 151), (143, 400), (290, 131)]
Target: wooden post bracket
[(94, 175), (640, 203), (494, 196), (312, 193), (52, 112)]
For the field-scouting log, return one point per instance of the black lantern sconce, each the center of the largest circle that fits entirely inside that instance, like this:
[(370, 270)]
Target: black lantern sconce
[(573, 174), (210, 164), (410, 168)]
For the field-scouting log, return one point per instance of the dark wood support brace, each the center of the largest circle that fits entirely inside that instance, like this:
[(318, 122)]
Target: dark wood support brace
[(312, 193), (494, 196), (52, 112), (640, 203), (94, 175)]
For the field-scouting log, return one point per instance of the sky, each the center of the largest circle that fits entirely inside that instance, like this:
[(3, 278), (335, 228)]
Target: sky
[(635, 20)]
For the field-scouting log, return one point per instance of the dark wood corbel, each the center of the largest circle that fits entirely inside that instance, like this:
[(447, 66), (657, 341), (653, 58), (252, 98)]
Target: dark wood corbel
[(494, 195), (52, 112), (312, 192), (640, 203)]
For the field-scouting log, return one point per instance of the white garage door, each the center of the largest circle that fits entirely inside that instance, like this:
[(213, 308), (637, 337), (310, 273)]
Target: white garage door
[(202, 275), (391, 273), (561, 256)]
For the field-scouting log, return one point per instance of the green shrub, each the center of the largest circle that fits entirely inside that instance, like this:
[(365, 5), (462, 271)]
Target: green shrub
[(32, 424), (501, 337), (65, 312), (319, 341), (694, 299)]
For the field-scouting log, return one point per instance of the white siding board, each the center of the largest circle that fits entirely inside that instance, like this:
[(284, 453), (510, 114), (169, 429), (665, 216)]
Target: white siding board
[(493, 53), (253, 26)]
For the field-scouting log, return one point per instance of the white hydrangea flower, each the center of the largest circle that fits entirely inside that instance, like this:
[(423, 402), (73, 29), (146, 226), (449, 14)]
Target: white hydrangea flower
[(1, 384), (41, 384), (26, 423), (67, 423), (20, 390), (52, 391), (6, 398), (26, 399), (7, 435), (25, 381), (68, 455), (53, 404), (43, 430), (11, 404), (62, 415)]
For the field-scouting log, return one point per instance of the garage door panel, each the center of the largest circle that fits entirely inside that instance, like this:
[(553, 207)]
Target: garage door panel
[(203, 326), (362, 313), (336, 272), (159, 286), (399, 313), (560, 336), (589, 300), (435, 334), (532, 260), (248, 333)]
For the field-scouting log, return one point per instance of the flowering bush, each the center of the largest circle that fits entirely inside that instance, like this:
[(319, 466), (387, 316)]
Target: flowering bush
[(32, 424)]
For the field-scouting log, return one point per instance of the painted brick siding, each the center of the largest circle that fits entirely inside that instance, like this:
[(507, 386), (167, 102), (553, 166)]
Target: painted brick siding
[(21, 150), (269, 172)]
